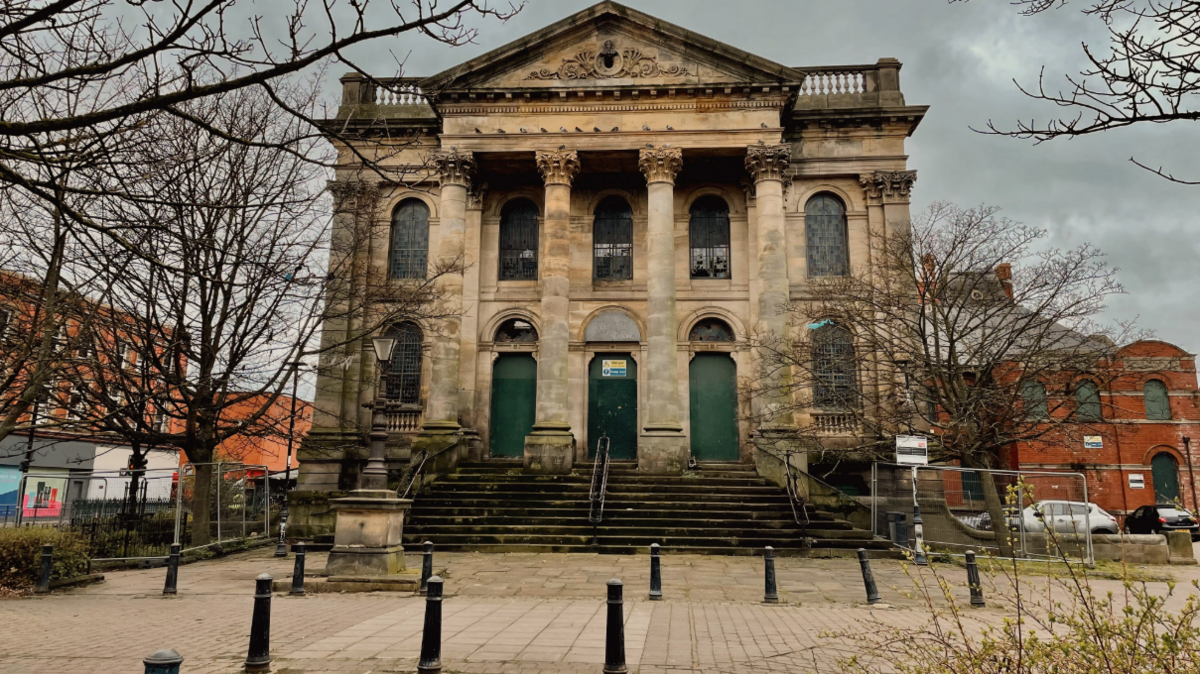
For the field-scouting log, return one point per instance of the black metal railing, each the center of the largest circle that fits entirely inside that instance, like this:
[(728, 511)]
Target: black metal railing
[(599, 481), (416, 471)]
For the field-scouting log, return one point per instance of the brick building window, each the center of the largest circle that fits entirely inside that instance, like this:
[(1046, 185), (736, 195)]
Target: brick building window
[(825, 236), (612, 240), (708, 232), (519, 241), (1087, 401), (408, 256), (404, 380), (1158, 405), (1033, 394)]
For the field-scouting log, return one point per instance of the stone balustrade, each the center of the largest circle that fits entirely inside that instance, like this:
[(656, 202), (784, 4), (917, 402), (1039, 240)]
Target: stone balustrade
[(835, 423), (404, 418)]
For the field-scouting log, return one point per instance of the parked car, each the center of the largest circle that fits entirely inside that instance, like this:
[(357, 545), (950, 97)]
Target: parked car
[(1067, 517), (1159, 519)]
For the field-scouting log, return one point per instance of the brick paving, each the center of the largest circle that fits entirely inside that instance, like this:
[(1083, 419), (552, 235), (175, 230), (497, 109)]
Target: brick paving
[(528, 613)]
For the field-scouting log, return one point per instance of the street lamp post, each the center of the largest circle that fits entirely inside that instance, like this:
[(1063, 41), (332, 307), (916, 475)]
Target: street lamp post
[(281, 547), (374, 477)]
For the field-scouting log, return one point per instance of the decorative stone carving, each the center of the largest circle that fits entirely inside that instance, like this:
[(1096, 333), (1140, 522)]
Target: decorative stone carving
[(888, 185), (608, 63), (558, 166), (769, 162), (454, 167), (660, 164), (612, 326), (475, 194)]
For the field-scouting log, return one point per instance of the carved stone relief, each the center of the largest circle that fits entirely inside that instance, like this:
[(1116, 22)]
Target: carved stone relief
[(888, 185), (608, 63)]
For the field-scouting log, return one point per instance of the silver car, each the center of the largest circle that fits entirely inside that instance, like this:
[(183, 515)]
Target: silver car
[(1068, 517)]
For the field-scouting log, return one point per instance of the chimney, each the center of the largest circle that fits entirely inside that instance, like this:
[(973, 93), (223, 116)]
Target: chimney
[(1004, 273)]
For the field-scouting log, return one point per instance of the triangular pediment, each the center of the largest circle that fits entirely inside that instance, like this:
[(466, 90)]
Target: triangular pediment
[(611, 45)]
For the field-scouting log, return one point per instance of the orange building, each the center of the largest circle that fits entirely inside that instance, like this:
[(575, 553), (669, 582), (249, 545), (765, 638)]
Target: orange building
[(265, 442)]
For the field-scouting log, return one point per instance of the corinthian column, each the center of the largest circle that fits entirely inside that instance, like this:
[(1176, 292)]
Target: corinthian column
[(550, 448), (662, 447), (768, 165), (441, 409)]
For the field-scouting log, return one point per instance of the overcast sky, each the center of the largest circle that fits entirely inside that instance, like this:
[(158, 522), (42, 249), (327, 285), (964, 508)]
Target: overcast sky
[(960, 59)]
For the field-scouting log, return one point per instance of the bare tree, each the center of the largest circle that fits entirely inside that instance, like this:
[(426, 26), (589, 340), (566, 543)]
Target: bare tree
[(964, 328), (1147, 74)]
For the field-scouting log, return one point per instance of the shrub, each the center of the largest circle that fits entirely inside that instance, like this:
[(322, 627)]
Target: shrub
[(21, 555)]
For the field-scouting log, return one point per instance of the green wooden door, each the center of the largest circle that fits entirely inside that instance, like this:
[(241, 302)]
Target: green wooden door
[(612, 404), (714, 407), (514, 397), (1166, 478)]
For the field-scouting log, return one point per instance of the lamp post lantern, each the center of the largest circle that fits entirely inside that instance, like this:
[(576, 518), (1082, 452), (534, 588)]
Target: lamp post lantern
[(375, 474)]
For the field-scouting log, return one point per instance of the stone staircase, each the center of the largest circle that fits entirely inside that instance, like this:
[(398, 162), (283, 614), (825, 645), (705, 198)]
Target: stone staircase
[(725, 509)]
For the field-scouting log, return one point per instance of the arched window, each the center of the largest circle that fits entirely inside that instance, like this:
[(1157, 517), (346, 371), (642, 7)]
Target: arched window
[(612, 240), (825, 236), (835, 381), (1158, 405), (516, 330), (519, 241), (711, 330), (1033, 393), (1087, 401), (404, 379), (408, 256), (709, 235)]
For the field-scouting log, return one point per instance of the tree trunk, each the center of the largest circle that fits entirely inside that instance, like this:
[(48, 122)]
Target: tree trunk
[(201, 497), (995, 506)]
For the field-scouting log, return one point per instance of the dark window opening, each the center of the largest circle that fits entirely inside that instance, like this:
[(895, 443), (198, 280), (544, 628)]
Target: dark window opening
[(825, 237), (711, 330), (516, 330), (612, 240), (1033, 394), (1158, 404), (408, 256), (1087, 400), (519, 241), (709, 235), (404, 380), (835, 385)]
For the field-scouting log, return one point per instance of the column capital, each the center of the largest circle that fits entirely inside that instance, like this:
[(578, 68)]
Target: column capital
[(889, 186), (768, 162), (660, 164), (558, 167), (454, 167), (475, 194)]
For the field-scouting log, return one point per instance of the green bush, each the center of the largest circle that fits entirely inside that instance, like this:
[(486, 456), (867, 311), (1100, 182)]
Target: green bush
[(21, 555)]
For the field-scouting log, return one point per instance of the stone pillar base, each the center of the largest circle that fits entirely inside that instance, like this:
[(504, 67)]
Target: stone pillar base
[(663, 452), (367, 536), (780, 443), (550, 449)]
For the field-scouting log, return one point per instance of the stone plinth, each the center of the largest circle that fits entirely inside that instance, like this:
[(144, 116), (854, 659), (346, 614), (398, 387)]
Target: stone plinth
[(663, 452), (366, 539), (549, 449)]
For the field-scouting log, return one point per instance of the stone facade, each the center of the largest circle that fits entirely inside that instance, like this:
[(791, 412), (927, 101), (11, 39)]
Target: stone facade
[(608, 106)]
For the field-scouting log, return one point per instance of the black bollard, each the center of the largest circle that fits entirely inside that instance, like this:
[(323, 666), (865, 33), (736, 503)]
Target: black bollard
[(259, 657), (868, 577), (655, 573), (298, 572), (165, 661), (770, 595), (43, 581), (973, 581), (426, 567), (172, 571), (431, 637), (614, 638)]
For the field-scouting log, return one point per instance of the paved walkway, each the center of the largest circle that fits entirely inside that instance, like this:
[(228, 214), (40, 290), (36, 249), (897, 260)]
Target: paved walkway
[(503, 613)]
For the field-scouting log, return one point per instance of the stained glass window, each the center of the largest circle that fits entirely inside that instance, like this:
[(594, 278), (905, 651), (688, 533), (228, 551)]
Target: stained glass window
[(612, 240), (516, 330), (835, 382), (408, 256), (404, 380), (709, 234), (519, 241), (711, 330), (825, 237)]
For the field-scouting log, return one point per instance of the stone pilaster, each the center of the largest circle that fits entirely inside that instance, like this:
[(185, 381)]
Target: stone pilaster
[(662, 446), (768, 167), (441, 409), (550, 448)]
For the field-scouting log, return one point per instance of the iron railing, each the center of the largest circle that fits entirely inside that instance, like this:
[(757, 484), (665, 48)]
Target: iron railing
[(599, 481), (416, 470)]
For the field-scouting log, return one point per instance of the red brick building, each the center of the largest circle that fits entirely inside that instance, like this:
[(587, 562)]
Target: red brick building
[(1135, 454)]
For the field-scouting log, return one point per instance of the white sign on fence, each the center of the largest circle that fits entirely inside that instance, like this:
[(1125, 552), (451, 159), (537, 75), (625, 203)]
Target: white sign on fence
[(912, 450)]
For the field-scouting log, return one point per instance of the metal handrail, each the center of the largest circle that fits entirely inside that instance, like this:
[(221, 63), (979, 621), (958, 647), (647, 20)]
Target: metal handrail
[(416, 472), (599, 480)]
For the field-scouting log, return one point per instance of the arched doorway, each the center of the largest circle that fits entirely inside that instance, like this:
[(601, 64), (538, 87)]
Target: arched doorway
[(1165, 471), (612, 404), (514, 390), (713, 399)]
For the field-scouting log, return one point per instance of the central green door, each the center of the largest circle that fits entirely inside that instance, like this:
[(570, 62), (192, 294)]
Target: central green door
[(713, 388), (1165, 472), (612, 404), (514, 397)]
